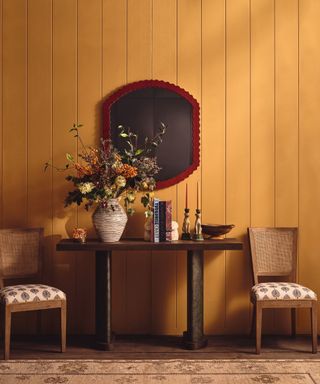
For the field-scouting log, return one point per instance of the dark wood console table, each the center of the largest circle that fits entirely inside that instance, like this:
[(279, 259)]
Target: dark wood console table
[(193, 336)]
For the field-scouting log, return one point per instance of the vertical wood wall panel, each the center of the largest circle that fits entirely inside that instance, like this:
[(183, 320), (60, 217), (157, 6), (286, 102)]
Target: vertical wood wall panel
[(286, 128), (39, 113), (89, 114), (262, 122), (164, 283), (15, 113), (213, 155), (253, 65), (64, 115), (189, 78), (262, 113), (238, 160), (139, 270), (286, 96), (15, 152), (40, 128), (309, 154), (114, 74)]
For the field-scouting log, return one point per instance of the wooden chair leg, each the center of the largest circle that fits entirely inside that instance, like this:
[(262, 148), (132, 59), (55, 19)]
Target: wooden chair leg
[(63, 324), (293, 322), (314, 327), (2, 317), (253, 321), (258, 327), (39, 323), (7, 332)]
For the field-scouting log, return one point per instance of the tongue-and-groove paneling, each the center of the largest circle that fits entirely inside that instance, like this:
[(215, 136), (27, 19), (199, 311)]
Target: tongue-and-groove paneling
[(253, 65)]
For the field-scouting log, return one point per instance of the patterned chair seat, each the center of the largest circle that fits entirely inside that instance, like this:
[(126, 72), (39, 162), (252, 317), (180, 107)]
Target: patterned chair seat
[(281, 291), (27, 293)]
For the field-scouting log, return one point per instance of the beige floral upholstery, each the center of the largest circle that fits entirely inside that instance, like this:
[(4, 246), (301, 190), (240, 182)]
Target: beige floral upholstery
[(27, 293), (281, 291)]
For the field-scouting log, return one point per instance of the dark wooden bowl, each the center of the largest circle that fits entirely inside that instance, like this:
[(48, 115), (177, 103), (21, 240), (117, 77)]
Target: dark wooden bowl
[(215, 230)]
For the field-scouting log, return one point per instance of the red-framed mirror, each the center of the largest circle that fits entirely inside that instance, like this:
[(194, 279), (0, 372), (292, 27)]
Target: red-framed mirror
[(142, 106)]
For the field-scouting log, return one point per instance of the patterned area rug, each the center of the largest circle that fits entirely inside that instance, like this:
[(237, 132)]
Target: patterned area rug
[(160, 371)]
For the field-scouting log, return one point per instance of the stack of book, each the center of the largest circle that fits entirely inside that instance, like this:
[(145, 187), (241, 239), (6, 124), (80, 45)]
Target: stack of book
[(161, 228)]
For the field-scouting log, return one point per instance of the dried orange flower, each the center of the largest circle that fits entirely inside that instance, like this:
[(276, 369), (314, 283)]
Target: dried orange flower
[(83, 169), (127, 171)]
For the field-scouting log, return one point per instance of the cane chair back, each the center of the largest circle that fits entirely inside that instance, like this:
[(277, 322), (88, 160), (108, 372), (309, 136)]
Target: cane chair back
[(20, 258), (273, 252), (20, 253)]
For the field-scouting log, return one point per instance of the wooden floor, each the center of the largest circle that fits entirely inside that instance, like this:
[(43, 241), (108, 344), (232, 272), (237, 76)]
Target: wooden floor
[(168, 347)]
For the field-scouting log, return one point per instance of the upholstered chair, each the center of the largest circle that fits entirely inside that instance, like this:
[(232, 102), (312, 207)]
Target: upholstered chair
[(274, 254), (20, 258)]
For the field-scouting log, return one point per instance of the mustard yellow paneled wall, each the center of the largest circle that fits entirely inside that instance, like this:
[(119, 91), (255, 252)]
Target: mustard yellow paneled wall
[(254, 67)]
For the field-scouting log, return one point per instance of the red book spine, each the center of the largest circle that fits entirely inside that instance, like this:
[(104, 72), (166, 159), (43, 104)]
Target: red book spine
[(168, 220), (162, 221)]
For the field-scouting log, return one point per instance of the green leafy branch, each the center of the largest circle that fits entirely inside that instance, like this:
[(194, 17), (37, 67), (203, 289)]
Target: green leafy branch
[(150, 144), (131, 139), (69, 157), (75, 129)]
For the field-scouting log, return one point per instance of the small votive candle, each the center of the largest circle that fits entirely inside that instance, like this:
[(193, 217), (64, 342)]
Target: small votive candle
[(80, 234)]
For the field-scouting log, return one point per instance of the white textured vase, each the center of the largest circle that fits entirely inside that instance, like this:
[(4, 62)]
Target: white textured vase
[(110, 221)]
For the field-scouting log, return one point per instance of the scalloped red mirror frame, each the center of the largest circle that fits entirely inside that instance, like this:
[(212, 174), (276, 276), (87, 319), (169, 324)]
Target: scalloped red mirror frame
[(194, 105)]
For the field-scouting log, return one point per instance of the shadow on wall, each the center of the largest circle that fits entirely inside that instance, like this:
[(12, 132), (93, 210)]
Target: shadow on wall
[(237, 295)]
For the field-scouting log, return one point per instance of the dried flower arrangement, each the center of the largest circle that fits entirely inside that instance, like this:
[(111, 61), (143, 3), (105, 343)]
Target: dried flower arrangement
[(106, 173)]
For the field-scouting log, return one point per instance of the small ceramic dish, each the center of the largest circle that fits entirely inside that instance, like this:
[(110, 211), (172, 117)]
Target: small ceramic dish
[(216, 230)]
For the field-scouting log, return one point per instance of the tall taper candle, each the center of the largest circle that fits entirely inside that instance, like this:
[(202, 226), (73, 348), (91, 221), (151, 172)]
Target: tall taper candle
[(186, 196), (197, 195)]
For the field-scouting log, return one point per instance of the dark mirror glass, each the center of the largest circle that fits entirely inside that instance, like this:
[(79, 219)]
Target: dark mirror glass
[(143, 108)]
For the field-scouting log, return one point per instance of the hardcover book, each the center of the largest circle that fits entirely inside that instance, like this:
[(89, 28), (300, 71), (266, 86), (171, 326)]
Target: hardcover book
[(162, 220), (168, 220), (156, 221)]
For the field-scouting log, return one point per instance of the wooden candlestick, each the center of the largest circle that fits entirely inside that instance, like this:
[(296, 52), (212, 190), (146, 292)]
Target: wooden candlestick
[(197, 227), (186, 235)]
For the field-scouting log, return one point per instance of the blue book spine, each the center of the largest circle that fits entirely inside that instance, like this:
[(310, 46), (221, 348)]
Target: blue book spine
[(156, 220)]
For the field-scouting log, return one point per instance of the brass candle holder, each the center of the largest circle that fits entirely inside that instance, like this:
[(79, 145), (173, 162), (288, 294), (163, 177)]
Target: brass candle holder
[(186, 234), (197, 236)]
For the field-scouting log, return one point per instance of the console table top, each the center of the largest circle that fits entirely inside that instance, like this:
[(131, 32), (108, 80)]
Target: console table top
[(141, 245)]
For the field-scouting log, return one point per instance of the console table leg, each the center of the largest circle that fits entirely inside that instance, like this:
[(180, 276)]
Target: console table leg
[(103, 300), (193, 337)]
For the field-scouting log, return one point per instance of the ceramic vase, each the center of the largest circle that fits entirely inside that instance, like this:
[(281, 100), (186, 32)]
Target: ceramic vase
[(110, 221)]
